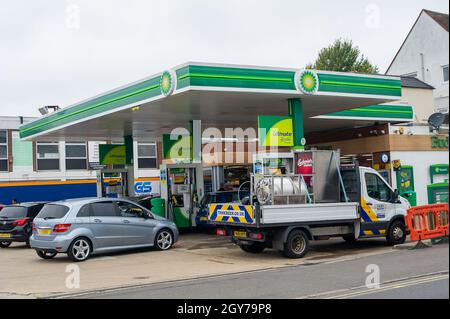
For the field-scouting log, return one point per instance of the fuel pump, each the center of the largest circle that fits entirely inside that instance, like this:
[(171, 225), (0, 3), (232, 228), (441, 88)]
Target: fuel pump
[(115, 183), (182, 188)]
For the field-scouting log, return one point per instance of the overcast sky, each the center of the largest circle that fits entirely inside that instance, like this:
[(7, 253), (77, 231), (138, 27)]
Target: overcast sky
[(58, 52)]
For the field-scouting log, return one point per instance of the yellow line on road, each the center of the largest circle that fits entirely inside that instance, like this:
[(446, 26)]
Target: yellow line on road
[(391, 287)]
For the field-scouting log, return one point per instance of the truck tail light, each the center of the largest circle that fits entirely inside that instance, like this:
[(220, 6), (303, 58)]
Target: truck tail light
[(221, 232), (257, 236), (61, 228), (20, 222)]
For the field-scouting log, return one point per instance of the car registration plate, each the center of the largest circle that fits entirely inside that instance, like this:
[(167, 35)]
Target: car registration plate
[(240, 234), (5, 235), (44, 232)]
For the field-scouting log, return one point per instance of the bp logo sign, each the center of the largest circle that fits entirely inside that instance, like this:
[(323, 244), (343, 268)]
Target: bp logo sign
[(307, 81), (167, 83)]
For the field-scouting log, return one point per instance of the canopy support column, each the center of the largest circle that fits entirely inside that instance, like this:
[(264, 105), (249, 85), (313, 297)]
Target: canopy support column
[(296, 112)]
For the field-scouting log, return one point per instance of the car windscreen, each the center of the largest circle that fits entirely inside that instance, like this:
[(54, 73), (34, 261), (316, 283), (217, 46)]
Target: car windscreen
[(13, 212), (52, 211)]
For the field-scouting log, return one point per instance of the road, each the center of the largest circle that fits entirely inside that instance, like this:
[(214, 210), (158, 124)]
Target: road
[(411, 274)]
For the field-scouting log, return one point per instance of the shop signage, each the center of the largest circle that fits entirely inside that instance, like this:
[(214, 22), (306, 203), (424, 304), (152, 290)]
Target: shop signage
[(276, 131), (177, 148), (167, 83), (146, 187), (439, 142), (307, 81), (112, 154), (305, 166), (439, 169)]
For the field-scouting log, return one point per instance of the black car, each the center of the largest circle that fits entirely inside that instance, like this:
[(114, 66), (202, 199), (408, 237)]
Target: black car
[(16, 222)]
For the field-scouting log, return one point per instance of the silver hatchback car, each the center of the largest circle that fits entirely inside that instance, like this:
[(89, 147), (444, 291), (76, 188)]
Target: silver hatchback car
[(83, 227)]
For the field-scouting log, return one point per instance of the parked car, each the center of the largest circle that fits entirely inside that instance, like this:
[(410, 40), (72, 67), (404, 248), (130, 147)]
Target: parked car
[(1, 207), (16, 222), (83, 227)]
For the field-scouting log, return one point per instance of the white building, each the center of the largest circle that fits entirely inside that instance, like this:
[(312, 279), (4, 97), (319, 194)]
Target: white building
[(425, 53)]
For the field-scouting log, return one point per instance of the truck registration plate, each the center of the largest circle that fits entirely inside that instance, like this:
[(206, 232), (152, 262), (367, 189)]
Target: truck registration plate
[(240, 234)]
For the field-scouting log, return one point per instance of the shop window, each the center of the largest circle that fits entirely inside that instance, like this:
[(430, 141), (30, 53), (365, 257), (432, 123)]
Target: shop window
[(3, 151), (377, 188), (76, 156), (147, 156), (47, 156), (445, 72)]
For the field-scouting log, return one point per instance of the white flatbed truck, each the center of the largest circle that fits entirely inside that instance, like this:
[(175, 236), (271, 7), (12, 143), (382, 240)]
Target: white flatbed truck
[(366, 206)]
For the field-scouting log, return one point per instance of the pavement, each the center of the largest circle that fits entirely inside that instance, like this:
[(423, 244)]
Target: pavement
[(24, 275)]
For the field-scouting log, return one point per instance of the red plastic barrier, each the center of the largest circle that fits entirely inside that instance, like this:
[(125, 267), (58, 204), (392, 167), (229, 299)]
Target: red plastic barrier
[(427, 222)]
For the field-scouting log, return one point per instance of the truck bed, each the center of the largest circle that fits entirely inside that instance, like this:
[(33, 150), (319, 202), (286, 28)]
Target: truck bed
[(277, 215), (285, 214)]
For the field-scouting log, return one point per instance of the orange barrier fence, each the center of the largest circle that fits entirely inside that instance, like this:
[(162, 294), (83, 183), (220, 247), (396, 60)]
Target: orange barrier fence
[(427, 222)]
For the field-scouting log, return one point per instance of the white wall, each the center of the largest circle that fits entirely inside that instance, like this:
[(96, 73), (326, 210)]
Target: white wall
[(421, 162), (431, 40)]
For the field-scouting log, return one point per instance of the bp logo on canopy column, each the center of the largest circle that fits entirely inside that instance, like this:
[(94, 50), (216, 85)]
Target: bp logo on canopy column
[(307, 81), (168, 82)]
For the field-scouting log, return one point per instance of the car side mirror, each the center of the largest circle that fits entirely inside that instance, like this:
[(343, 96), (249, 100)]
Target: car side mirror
[(396, 198)]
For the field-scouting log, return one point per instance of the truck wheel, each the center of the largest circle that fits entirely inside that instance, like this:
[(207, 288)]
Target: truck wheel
[(5, 244), (253, 248), (297, 244), (396, 233)]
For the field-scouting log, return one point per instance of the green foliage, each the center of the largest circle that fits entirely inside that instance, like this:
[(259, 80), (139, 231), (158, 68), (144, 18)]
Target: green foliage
[(343, 56)]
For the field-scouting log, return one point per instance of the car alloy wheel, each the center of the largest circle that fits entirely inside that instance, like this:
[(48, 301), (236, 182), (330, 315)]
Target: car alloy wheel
[(164, 240), (81, 249)]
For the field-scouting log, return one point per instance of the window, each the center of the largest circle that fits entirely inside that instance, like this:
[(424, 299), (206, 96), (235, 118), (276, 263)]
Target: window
[(147, 157), (52, 211), (377, 188), (445, 72), (14, 212), (76, 156), (130, 210), (47, 155), (105, 209), (3, 151), (84, 211)]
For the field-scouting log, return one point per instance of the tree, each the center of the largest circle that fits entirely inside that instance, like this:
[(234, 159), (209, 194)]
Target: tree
[(343, 56)]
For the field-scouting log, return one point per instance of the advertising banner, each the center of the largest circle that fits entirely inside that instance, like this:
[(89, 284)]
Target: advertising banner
[(112, 154), (305, 166), (276, 131)]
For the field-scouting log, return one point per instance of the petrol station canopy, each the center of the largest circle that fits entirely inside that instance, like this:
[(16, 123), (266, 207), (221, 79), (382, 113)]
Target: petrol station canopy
[(224, 96)]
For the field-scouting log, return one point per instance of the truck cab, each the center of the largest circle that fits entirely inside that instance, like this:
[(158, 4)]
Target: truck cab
[(382, 210)]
